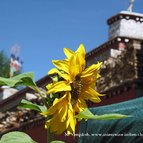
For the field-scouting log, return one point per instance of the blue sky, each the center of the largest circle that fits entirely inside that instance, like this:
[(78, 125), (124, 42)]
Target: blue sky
[(42, 28)]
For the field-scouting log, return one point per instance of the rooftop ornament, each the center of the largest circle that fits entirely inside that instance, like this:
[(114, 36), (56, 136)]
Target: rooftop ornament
[(130, 8)]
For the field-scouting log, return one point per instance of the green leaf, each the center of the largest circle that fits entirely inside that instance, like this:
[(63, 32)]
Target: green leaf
[(86, 114), (26, 79), (16, 137), (57, 142), (54, 78), (27, 104), (110, 116)]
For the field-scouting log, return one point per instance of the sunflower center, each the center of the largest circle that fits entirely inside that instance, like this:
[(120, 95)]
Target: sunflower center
[(76, 88)]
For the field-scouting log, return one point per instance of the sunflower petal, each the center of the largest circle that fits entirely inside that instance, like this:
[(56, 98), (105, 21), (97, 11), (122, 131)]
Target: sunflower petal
[(63, 75), (80, 105), (53, 71), (59, 87), (61, 65), (81, 50), (91, 70), (68, 53), (81, 57), (71, 119), (92, 95), (74, 67)]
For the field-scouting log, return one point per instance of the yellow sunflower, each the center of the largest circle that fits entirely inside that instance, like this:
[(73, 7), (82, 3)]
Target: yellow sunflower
[(77, 87)]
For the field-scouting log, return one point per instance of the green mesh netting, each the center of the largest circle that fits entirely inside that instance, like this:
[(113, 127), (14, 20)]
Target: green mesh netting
[(128, 130)]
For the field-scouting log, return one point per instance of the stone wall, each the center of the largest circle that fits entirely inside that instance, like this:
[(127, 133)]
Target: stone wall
[(116, 71)]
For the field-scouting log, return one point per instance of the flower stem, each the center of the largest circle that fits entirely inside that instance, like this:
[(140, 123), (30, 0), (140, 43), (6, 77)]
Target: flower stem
[(43, 98), (49, 136)]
